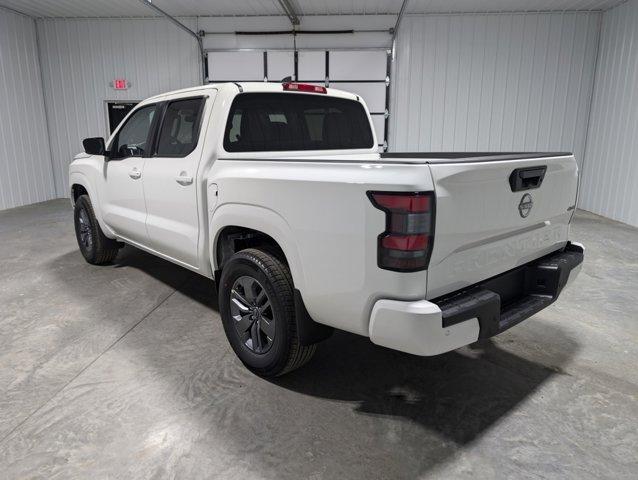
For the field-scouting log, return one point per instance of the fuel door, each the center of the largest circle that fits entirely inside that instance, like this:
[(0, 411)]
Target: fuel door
[(212, 198)]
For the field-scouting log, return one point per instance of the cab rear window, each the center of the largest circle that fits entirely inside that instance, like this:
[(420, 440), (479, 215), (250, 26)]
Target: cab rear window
[(292, 121)]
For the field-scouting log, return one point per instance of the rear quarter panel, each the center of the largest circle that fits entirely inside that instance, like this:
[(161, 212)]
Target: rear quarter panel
[(320, 215)]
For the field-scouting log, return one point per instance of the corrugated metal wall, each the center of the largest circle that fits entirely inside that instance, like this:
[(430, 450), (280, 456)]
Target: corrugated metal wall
[(494, 82), (610, 174), (461, 82), (81, 57), (25, 160)]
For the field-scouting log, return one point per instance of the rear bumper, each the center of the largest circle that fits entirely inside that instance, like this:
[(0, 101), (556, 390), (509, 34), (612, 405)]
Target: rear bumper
[(432, 327)]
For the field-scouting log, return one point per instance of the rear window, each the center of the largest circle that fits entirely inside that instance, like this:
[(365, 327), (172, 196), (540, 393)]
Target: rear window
[(292, 121)]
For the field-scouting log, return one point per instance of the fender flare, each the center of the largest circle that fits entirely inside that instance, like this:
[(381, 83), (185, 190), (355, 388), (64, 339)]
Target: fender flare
[(78, 178), (263, 220), (274, 225)]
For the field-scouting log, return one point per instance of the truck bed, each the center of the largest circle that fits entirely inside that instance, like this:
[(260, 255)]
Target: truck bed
[(466, 157)]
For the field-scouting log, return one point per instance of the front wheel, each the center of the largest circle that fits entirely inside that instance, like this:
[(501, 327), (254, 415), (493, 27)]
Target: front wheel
[(96, 247), (258, 312)]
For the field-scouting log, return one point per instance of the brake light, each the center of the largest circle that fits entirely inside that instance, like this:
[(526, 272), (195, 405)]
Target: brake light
[(406, 243), (304, 87)]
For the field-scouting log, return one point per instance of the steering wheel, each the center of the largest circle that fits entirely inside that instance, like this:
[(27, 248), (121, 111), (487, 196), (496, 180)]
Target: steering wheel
[(133, 150)]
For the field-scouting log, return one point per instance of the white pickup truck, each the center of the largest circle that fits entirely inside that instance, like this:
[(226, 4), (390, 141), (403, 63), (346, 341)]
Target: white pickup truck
[(278, 192)]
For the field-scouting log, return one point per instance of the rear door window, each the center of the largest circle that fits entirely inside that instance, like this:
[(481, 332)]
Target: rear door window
[(291, 121), (180, 128)]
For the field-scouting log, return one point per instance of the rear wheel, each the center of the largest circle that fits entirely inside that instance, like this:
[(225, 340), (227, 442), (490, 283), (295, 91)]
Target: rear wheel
[(257, 309), (94, 245)]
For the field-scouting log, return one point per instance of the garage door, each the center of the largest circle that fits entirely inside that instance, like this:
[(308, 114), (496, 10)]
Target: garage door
[(363, 72)]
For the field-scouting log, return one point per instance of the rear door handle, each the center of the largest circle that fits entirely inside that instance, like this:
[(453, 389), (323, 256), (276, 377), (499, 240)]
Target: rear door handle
[(184, 179), (135, 174)]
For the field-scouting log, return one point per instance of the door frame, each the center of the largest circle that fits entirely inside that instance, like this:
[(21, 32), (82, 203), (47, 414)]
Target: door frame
[(204, 120)]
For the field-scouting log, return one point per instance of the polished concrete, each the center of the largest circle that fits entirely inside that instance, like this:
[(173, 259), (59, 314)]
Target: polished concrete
[(123, 371)]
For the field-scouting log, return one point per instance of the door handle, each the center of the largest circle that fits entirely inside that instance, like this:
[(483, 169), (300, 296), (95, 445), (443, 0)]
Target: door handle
[(184, 179), (135, 174)]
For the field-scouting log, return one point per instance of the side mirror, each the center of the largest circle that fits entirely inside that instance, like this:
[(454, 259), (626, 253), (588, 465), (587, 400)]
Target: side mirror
[(94, 146)]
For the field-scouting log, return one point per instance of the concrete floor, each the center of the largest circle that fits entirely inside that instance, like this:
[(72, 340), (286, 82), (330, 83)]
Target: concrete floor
[(123, 371)]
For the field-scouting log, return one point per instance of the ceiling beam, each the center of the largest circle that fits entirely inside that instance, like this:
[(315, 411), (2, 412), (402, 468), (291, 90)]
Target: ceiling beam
[(17, 12), (399, 18), (290, 11)]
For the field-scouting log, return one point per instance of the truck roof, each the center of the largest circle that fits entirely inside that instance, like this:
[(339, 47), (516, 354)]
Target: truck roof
[(251, 87)]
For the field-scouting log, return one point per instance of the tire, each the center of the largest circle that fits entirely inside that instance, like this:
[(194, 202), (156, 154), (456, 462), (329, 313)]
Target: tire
[(264, 335), (96, 248)]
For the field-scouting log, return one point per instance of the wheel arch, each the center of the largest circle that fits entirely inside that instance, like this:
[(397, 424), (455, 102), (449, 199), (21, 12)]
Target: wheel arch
[(77, 189), (234, 238), (257, 224), (79, 184), (252, 225)]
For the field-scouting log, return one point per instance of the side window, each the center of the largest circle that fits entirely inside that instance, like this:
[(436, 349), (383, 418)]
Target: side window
[(180, 128), (132, 138)]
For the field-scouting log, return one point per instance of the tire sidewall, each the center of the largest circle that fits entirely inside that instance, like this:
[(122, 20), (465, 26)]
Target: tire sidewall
[(276, 357), (83, 204)]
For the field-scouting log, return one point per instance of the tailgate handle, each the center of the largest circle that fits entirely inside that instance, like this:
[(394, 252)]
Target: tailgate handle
[(527, 178)]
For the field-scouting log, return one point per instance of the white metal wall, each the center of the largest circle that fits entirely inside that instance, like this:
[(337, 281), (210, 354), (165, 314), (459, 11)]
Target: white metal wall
[(493, 82), (610, 174), (461, 82), (80, 58), (25, 160)]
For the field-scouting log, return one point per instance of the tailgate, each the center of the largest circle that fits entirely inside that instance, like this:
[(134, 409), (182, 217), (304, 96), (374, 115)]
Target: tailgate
[(487, 223)]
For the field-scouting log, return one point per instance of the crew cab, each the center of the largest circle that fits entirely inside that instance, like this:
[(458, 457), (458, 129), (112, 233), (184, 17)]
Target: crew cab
[(278, 192)]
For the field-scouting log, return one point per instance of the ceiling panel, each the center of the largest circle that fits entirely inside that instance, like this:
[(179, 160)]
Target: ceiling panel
[(377, 7), (134, 8), (454, 6), (352, 7), (78, 8), (202, 8)]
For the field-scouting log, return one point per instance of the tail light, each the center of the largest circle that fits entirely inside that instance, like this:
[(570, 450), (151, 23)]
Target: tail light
[(304, 87), (406, 243)]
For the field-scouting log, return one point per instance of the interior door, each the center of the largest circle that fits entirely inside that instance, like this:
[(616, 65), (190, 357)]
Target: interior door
[(116, 112), (122, 197), (170, 185)]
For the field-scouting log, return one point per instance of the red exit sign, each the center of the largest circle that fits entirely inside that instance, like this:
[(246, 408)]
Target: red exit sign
[(120, 84)]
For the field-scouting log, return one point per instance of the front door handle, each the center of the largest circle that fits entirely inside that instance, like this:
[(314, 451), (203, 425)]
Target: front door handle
[(184, 179), (135, 174)]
